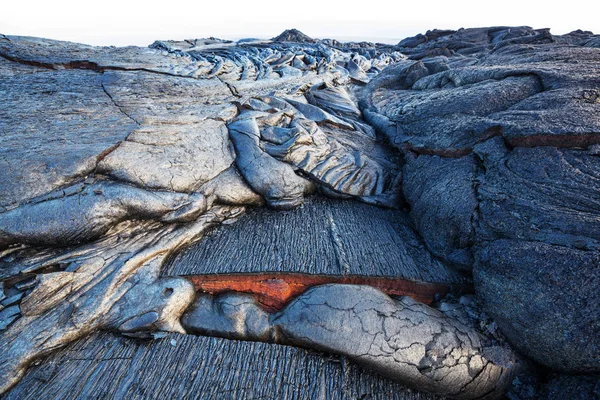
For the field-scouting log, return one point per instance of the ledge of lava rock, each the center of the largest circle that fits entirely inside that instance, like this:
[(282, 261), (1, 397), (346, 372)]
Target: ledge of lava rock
[(428, 211)]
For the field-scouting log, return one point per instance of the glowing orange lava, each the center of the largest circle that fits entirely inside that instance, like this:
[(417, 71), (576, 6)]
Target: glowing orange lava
[(275, 290)]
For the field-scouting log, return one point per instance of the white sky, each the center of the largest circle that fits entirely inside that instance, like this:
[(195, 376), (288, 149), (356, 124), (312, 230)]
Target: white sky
[(123, 22)]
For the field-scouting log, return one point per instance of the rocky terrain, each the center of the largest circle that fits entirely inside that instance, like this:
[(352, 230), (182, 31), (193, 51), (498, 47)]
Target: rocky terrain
[(300, 218)]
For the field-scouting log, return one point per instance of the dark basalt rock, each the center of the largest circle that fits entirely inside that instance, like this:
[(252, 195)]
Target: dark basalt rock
[(323, 237), (540, 194), (542, 284), (471, 41), (441, 194), (526, 104), (55, 54), (293, 35), (195, 135), (90, 211), (540, 96), (232, 316), (576, 387), (544, 299), (339, 152)]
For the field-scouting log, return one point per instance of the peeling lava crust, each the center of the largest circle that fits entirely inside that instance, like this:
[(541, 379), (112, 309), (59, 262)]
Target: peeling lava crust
[(429, 211)]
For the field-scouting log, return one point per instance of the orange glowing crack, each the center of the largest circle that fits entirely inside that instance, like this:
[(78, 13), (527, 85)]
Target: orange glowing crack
[(275, 290)]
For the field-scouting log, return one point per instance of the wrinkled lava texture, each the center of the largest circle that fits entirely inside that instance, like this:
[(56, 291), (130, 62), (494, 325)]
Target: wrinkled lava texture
[(429, 211)]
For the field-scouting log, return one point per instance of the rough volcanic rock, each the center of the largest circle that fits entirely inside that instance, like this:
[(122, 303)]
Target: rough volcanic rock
[(338, 152), (543, 298), (201, 151), (46, 113), (109, 366), (324, 237), (541, 95), (90, 210), (528, 201), (450, 120), (537, 266), (293, 35), (404, 340), (540, 194), (181, 141), (576, 387), (112, 283), (261, 67), (471, 42), (57, 54), (276, 181), (118, 159), (441, 195)]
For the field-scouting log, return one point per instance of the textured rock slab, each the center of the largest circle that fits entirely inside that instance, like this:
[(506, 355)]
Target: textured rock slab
[(46, 114), (442, 198), (565, 113), (402, 339), (174, 157), (254, 67), (181, 141), (323, 237), (59, 54), (537, 264), (541, 194), (105, 366), (452, 118), (89, 211), (472, 41), (542, 95), (276, 181), (544, 298), (576, 387), (157, 99)]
